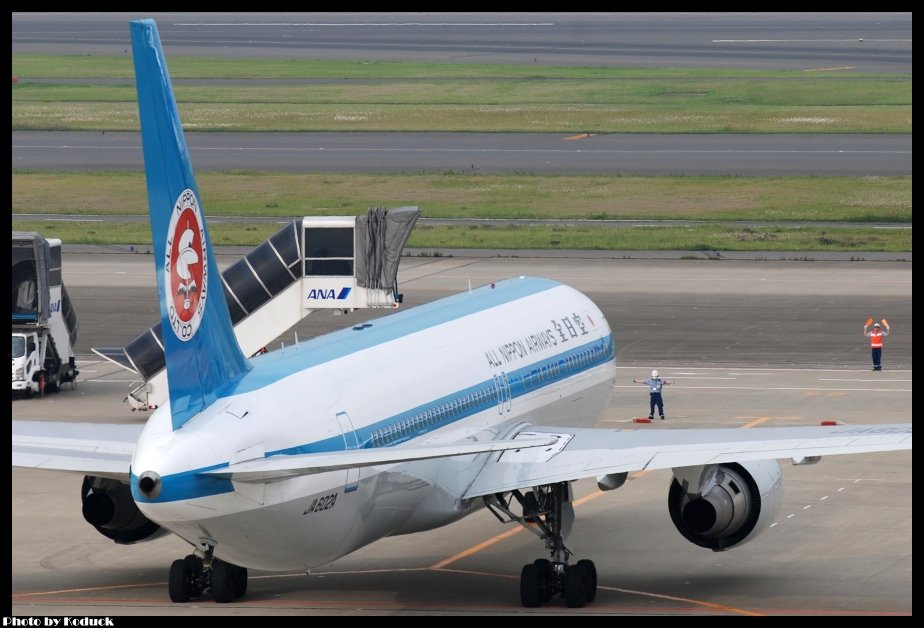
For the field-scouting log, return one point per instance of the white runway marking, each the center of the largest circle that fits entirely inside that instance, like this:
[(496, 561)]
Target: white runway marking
[(458, 150), (806, 507), (375, 24), (802, 41), (832, 379), (824, 498), (791, 516), (810, 388), (765, 370)]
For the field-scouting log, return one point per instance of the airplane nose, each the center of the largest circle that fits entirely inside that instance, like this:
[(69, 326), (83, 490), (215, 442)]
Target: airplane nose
[(149, 484)]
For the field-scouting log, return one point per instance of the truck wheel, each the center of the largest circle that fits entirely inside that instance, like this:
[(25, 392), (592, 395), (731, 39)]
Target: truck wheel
[(29, 393), (53, 386)]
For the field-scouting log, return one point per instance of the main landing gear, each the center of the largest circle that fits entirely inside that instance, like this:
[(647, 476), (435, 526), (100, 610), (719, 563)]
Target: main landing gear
[(547, 512), (192, 576)]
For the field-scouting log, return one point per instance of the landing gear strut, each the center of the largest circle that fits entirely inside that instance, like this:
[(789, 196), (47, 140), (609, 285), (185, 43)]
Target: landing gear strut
[(192, 576), (548, 513)]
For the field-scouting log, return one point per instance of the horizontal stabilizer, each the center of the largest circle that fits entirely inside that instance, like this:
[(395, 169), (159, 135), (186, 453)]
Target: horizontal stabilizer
[(87, 448), (281, 466)]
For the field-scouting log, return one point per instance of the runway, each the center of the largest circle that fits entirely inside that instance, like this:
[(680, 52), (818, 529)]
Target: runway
[(864, 42), (749, 344), (485, 153)]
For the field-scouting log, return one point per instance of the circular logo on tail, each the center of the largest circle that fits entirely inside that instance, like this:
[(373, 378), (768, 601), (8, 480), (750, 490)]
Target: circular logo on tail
[(186, 272)]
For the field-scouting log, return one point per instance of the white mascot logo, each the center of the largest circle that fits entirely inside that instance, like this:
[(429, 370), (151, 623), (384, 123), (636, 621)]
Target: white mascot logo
[(186, 271)]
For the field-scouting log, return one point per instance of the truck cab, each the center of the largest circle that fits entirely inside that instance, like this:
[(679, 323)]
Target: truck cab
[(27, 363)]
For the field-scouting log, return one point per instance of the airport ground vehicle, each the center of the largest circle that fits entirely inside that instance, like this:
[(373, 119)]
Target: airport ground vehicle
[(44, 322)]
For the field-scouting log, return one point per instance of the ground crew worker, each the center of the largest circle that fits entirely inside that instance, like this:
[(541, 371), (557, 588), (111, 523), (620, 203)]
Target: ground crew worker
[(655, 383), (875, 335)]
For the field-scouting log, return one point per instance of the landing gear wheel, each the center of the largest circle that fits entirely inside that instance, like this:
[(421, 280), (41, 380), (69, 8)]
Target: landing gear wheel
[(240, 581), (590, 585), (575, 594), (178, 583), (531, 586), (545, 570), (195, 567), (548, 511), (223, 580)]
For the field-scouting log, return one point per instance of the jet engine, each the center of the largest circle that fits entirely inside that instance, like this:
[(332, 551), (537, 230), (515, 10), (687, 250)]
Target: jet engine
[(724, 505), (109, 507)]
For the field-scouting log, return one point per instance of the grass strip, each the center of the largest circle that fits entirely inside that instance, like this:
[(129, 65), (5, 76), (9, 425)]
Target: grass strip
[(667, 238), (239, 94), (448, 195)]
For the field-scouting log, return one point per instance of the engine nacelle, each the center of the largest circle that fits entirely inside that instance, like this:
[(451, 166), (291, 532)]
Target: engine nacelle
[(109, 507), (721, 506)]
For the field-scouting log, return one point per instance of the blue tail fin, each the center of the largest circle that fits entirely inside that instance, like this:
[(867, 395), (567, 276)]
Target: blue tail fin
[(201, 350)]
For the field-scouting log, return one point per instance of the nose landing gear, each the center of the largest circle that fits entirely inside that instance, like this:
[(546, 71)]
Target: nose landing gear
[(548, 513), (192, 576)]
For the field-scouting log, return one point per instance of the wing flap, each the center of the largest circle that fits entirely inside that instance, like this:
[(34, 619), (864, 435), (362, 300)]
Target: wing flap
[(88, 448), (282, 466), (593, 452)]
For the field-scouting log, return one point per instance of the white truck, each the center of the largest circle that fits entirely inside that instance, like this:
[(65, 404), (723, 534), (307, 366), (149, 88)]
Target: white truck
[(44, 322)]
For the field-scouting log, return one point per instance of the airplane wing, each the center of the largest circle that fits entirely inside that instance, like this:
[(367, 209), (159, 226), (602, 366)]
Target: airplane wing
[(582, 453), (284, 466), (99, 449)]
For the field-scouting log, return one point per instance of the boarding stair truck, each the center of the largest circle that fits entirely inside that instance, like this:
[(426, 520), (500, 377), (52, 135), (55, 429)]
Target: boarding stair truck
[(44, 321), (314, 263)]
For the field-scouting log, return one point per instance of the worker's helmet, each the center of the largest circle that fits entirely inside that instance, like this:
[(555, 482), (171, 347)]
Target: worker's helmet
[(876, 325), (654, 373)]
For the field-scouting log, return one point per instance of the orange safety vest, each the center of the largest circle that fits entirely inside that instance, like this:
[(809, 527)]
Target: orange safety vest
[(875, 339)]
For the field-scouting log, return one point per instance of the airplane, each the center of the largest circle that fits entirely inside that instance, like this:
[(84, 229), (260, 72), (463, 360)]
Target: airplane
[(294, 458)]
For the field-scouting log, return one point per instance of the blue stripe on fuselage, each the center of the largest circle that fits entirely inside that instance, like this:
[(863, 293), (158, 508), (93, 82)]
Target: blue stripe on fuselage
[(271, 367), (528, 379)]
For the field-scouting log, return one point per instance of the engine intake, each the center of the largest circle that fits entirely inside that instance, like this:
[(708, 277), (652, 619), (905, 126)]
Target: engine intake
[(734, 503), (109, 507)]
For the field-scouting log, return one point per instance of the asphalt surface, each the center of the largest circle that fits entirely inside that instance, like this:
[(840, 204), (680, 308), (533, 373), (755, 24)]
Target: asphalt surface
[(748, 343), (545, 153), (865, 42), (808, 314)]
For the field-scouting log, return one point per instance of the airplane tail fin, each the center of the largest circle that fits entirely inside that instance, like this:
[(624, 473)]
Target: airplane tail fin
[(202, 353)]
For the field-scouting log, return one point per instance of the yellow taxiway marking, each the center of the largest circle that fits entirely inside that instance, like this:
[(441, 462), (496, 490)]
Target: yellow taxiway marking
[(674, 598), (755, 422), (89, 589), (474, 549)]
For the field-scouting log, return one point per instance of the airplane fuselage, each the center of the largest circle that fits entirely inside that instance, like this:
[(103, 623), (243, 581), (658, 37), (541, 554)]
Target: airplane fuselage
[(471, 367)]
